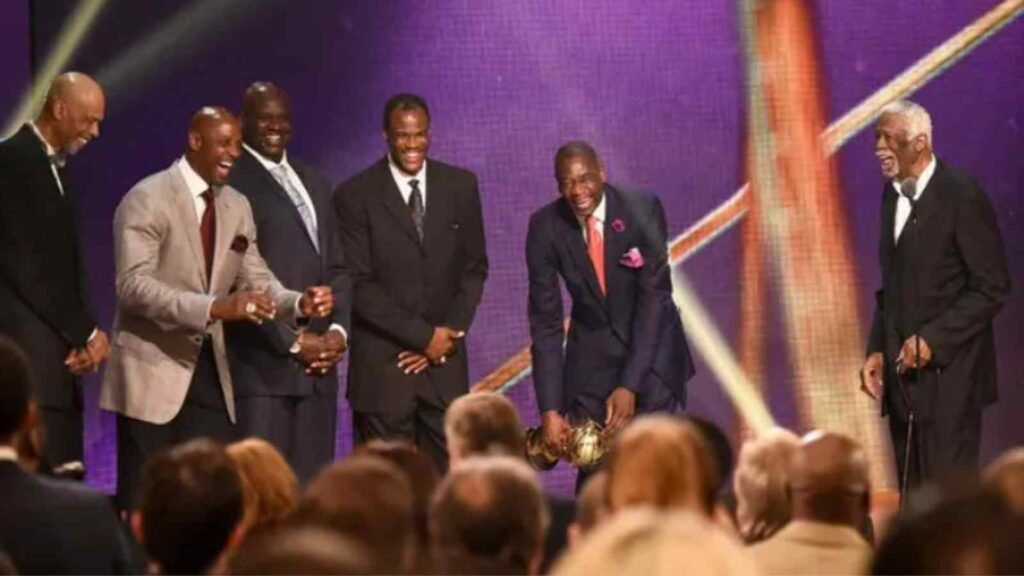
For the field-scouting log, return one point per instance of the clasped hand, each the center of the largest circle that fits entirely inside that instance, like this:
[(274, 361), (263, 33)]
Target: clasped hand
[(319, 352), (442, 345), (89, 357)]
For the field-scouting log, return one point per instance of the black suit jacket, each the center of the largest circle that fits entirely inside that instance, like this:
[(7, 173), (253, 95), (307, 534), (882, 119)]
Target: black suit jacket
[(53, 526), (404, 288), (260, 362), (947, 281), (631, 337), (44, 297)]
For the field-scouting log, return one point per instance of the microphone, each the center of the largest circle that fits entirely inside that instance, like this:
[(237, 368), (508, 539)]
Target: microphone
[(908, 188)]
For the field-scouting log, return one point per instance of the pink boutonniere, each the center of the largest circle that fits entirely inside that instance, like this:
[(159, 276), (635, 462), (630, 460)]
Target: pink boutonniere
[(632, 258), (618, 225)]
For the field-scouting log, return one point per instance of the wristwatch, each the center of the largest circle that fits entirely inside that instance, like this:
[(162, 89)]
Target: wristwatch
[(296, 348)]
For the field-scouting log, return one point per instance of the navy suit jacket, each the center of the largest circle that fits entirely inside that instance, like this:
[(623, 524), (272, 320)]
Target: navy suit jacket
[(44, 295), (632, 337), (260, 362), (54, 526), (947, 284)]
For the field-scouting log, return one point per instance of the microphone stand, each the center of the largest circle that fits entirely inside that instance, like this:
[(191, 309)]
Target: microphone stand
[(909, 191)]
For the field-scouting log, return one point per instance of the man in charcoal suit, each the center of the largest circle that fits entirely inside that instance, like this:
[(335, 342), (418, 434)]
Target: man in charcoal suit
[(44, 293), (626, 351), (413, 234), (286, 384), (187, 262)]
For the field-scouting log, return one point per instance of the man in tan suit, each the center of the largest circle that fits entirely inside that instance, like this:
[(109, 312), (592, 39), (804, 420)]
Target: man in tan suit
[(183, 241), (829, 502)]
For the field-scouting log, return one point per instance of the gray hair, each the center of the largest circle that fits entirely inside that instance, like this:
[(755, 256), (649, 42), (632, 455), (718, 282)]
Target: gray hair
[(918, 120)]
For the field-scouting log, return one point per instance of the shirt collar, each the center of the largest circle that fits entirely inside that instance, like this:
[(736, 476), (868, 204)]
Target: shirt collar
[(267, 162), (401, 176), (599, 212), (195, 183), (53, 154), (922, 180)]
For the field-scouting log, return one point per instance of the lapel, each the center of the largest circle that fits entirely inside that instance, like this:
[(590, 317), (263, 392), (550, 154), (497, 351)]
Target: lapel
[(271, 183), (615, 241), (572, 236), (190, 225), (436, 206), (319, 207), (29, 142), (225, 233), (931, 198), (888, 226), (391, 197)]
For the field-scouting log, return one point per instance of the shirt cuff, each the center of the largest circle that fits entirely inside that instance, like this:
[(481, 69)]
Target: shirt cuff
[(92, 335), (338, 328)]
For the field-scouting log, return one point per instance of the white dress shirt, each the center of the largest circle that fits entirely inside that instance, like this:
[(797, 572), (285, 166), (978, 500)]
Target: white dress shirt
[(50, 153), (293, 177), (599, 215), (903, 204), (402, 181), (196, 186)]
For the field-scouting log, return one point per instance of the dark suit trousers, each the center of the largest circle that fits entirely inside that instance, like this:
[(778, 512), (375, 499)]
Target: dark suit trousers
[(422, 424), (204, 414), (62, 427), (938, 447), (302, 428)]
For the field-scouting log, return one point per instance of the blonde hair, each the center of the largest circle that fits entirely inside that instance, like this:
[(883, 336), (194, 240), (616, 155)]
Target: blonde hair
[(269, 485), (661, 461), (647, 541), (761, 482)]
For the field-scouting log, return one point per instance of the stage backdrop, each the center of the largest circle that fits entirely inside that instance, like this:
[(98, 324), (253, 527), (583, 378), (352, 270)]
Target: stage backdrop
[(657, 87)]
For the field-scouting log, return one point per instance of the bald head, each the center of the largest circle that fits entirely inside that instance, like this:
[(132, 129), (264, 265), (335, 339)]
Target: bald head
[(71, 115), (267, 120), (214, 143), (829, 479)]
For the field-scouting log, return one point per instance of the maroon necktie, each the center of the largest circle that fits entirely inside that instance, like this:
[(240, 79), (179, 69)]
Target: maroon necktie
[(208, 230)]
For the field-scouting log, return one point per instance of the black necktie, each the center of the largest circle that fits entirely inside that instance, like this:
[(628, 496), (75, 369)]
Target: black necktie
[(416, 207)]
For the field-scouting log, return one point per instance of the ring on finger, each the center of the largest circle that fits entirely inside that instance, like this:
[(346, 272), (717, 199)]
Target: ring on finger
[(250, 308)]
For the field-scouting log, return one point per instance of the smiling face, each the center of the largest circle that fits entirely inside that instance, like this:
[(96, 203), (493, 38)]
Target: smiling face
[(214, 143), (267, 122), (898, 152), (77, 113), (581, 183), (408, 138)]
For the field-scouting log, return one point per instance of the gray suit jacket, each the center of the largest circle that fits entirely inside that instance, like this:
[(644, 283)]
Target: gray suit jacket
[(164, 295)]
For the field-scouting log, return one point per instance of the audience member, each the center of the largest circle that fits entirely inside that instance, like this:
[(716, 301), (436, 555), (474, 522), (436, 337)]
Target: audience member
[(48, 526), (661, 461), (654, 542), (830, 499), (591, 507), (190, 511), (973, 533), (721, 449), (1005, 476), (269, 485), (419, 470), (368, 500), (483, 424), (300, 550), (489, 508), (762, 504)]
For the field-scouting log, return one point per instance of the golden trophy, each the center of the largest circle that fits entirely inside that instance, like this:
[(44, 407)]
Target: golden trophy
[(585, 446)]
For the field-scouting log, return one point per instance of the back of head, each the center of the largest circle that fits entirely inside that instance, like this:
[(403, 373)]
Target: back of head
[(973, 533), (1005, 476), (417, 468), (15, 389), (656, 542), (490, 507), (591, 505), (300, 550), (660, 461), (828, 480), (366, 499), (269, 485), (760, 483), (481, 424), (721, 449), (191, 504)]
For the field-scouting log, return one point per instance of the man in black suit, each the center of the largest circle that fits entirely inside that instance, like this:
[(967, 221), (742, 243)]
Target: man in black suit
[(944, 278), (49, 526), (412, 232), (44, 293), (286, 386), (626, 350)]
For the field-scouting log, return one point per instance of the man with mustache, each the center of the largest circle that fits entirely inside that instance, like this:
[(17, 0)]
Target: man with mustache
[(286, 386), (187, 262), (944, 278), (626, 351), (44, 292), (413, 233)]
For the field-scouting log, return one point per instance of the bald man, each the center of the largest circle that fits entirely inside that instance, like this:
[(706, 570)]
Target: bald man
[(829, 501), (187, 262), (44, 294)]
